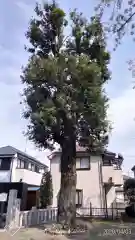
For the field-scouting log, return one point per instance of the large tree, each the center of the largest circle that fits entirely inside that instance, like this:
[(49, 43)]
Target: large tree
[(64, 95)]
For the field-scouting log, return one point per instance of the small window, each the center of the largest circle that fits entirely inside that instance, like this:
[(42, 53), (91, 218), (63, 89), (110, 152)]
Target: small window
[(79, 197), (20, 164), (37, 169), (83, 163), (29, 166), (41, 170), (0, 162), (32, 167)]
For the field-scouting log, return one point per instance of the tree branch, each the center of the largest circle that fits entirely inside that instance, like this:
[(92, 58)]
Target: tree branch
[(127, 21)]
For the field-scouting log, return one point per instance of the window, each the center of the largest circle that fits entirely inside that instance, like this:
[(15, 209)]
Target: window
[(20, 164), (32, 167), (5, 163), (29, 166), (79, 197), (41, 170), (83, 163), (37, 169), (0, 162)]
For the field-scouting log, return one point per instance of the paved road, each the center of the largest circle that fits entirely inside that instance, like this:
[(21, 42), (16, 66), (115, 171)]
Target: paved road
[(97, 231)]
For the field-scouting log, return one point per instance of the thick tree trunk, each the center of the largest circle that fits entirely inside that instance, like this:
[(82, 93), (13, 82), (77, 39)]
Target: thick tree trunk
[(67, 194)]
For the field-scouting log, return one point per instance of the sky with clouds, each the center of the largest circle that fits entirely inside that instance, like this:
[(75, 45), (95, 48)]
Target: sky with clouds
[(14, 18)]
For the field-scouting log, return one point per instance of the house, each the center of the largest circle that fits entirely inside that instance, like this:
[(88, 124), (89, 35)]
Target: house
[(133, 169), (18, 168), (98, 177), (121, 199)]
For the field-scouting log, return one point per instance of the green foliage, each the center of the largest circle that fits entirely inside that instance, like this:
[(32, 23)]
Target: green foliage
[(46, 190), (129, 189), (64, 94), (43, 30)]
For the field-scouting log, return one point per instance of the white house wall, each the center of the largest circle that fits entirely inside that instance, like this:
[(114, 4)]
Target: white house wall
[(27, 176), (111, 197), (87, 180), (14, 165)]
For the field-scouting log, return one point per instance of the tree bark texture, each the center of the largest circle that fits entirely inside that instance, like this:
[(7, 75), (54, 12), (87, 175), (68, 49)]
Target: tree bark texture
[(67, 194)]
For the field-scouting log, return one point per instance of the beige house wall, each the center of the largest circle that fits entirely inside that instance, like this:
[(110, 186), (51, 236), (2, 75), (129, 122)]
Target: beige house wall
[(90, 181)]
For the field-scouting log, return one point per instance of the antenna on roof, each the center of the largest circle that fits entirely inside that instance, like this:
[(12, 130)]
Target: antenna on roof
[(25, 146)]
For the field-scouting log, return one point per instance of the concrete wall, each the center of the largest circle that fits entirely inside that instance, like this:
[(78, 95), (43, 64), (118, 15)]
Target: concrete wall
[(116, 174), (28, 177), (118, 177), (111, 196)]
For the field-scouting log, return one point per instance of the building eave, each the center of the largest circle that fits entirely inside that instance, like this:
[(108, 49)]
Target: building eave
[(106, 153)]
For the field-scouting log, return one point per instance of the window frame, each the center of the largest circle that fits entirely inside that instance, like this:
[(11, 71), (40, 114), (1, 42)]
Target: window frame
[(32, 167), (81, 168), (37, 169), (5, 163), (22, 164), (79, 201), (19, 164), (1, 162)]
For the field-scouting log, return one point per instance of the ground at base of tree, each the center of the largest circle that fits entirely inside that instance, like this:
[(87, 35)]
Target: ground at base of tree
[(97, 231), (36, 234)]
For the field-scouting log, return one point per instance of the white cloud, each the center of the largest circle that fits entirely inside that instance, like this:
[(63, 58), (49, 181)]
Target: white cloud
[(122, 115)]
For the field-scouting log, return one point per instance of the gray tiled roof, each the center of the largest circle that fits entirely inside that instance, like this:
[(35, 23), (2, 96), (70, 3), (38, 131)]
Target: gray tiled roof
[(10, 151)]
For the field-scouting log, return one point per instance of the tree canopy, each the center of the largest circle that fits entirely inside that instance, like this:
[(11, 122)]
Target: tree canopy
[(129, 189), (66, 87)]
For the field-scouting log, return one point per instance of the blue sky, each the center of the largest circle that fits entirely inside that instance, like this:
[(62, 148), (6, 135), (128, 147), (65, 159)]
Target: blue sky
[(14, 18)]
